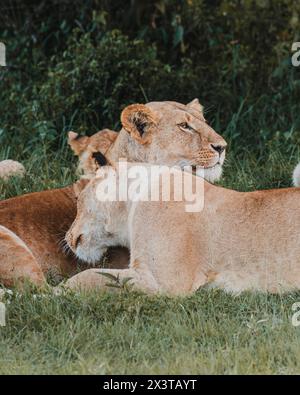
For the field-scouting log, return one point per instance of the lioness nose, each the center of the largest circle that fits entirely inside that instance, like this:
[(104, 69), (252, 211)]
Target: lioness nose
[(219, 148)]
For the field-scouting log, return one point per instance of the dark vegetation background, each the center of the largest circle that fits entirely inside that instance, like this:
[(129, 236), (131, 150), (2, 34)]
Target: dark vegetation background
[(77, 64)]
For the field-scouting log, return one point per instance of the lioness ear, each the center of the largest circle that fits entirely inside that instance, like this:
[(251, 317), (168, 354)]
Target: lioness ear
[(138, 120), (79, 186), (195, 105), (77, 143)]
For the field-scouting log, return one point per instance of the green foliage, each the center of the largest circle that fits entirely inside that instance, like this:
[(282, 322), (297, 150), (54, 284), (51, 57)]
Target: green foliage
[(75, 66), (95, 81)]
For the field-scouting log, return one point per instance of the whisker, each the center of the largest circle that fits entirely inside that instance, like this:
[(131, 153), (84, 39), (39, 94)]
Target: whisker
[(64, 247)]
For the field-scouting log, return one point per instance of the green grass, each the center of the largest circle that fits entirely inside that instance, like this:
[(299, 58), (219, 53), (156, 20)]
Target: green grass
[(210, 332)]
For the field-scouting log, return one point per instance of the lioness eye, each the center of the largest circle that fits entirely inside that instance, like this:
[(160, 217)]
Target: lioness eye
[(186, 126)]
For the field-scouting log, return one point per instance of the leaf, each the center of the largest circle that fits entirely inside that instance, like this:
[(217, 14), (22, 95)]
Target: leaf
[(126, 280), (178, 36), (113, 285)]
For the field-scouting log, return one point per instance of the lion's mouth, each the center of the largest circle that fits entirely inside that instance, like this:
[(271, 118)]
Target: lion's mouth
[(203, 168)]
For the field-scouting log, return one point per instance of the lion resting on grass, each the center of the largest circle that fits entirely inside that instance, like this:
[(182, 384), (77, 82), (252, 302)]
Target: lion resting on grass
[(160, 132), (237, 241)]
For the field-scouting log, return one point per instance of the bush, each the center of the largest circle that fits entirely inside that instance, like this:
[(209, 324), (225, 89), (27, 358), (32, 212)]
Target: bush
[(92, 82), (75, 65)]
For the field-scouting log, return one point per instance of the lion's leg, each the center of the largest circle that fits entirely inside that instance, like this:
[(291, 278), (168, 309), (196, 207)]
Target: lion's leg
[(17, 263), (92, 279)]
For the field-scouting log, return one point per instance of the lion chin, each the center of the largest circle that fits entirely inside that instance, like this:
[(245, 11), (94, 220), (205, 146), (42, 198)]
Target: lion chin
[(213, 174), (91, 256)]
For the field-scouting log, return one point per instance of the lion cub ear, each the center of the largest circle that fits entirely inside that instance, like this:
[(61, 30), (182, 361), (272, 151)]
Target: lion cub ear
[(79, 186), (77, 143), (138, 120), (196, 106)]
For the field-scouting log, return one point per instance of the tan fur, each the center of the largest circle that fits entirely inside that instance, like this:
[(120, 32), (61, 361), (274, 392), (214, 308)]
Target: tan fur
[(21, 265), (10, 168), (34, 226), (164, 141), (41, 219), (239, 241), (32, 235), (84, 147)]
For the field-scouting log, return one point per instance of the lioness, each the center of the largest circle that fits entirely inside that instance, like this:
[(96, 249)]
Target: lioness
[(91, 150), (166, 133), (237, 242), (159, 132)]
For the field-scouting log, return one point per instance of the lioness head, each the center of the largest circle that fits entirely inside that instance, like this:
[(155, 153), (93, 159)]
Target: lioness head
[(164, 133), (170, 133), (95, 229), (91, 150)]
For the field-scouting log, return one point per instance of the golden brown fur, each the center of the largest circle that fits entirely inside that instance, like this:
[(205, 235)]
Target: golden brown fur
[(85, 147), (32, 238), (40, 221), (239, 241), (169, 133)]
